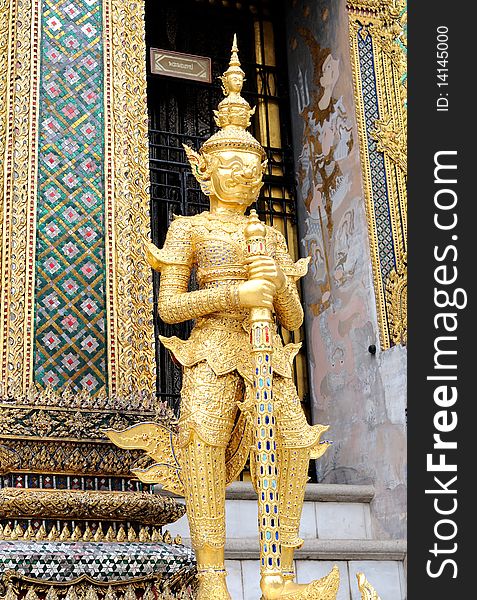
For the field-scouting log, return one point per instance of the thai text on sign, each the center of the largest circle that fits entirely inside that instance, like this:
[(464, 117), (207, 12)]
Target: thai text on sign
[(183, 66)]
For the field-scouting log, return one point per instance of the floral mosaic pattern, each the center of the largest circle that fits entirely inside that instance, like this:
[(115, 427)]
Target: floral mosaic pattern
[(70, 343)]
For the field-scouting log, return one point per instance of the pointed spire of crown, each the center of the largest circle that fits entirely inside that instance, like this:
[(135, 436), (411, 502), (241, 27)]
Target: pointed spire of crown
[(234, 59), (234, 71), (234, 112)]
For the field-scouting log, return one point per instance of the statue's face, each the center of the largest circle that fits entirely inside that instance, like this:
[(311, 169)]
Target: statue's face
[(236, 176), (234, 82)]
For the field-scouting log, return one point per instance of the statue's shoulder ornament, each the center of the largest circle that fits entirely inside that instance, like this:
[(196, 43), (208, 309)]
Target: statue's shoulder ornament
[(279, 250), (177, 249)]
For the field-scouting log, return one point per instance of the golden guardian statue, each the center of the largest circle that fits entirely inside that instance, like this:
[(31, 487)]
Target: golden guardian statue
[(238, 398)]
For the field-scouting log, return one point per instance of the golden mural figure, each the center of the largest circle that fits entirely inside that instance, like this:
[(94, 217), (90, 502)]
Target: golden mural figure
[(220, 374)]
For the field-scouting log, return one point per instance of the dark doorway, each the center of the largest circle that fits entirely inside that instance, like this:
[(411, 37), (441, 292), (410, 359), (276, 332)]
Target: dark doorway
[(181, 111)]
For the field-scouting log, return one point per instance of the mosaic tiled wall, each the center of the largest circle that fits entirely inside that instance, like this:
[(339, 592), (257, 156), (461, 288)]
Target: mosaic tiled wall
[(76, 331), (378, 55), (76, 299), (70, 326), (62, 562)]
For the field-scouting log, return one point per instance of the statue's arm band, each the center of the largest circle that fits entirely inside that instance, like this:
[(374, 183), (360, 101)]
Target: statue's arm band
[(288, 307), (176, 304)]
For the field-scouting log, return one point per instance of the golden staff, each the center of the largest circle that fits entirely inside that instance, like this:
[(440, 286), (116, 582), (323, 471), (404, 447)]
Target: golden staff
[(271, 580)]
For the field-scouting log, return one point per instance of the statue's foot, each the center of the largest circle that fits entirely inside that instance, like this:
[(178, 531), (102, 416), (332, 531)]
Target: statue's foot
[(212, 585), (325, 588)]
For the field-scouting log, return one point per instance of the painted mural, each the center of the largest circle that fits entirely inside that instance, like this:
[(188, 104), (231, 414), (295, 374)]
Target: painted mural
[(326, 143), (354, 386)]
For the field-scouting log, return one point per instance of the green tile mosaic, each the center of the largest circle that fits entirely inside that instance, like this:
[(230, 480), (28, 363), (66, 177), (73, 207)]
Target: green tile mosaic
[(70, 345)]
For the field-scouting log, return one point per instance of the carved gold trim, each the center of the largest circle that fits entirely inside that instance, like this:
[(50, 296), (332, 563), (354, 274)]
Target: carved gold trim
[(8, 17), (140, 507), (382, 20), (366, 172), (19, 123), (82, 579), (5, 99), (391, 141), (32, 194), (131, 290), (179, 586), (109, 190), (83, 533), (65, 457), (36, 396), (396, 297)]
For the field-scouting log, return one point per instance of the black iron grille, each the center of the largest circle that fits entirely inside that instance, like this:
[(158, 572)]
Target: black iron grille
[(181, 111)]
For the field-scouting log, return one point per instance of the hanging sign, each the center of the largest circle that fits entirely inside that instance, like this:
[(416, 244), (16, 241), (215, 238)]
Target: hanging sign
[(183, 66)]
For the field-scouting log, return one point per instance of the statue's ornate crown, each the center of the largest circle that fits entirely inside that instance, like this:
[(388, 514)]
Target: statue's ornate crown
[(234, 113)]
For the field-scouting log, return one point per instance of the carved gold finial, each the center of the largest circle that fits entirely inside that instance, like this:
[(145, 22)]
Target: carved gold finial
[(51, 594), (99, 535), (31, 594), (7, 532), (167, 537), (366, 589), (29, 533), (233, 78), (234, 60), (65, 534), (77, 534), (121, 534), (11, 594), (88, 534), (254, 228), (53, 535), (41, 534), (71, 594), (132, 537), (17, 533), (91, 594), (233, 111), (110, 535), (144, 535)]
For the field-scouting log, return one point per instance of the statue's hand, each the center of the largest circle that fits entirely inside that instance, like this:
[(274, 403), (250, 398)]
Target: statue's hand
[(256, 293), (265, 267), (153, 255)]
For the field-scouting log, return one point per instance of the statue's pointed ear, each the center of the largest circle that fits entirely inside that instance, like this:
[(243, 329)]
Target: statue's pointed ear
[(264, 165), (197, 162)]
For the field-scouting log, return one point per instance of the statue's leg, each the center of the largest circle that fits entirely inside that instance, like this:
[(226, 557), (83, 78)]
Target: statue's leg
[(297, 442), (293, 475), (208, 407), (203, 468)]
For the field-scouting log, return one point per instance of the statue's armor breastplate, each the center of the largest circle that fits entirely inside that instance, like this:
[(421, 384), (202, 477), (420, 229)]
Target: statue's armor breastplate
[(219, 250), (219, 260)]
